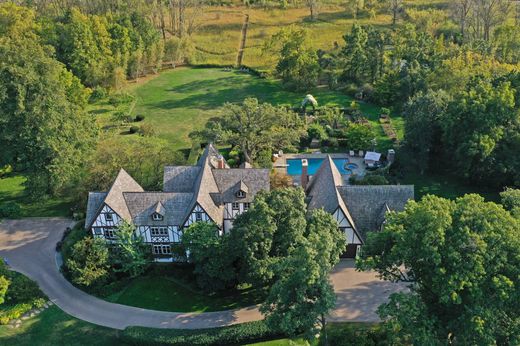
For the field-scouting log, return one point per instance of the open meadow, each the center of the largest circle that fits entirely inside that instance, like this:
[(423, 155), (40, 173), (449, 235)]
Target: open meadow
[(217, 39)]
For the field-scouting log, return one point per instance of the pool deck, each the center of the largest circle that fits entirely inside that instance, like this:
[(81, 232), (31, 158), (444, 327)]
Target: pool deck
[(280, 165)]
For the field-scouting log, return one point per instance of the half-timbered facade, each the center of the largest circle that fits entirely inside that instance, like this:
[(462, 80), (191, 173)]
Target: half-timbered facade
[(357, 209), (210, 191)]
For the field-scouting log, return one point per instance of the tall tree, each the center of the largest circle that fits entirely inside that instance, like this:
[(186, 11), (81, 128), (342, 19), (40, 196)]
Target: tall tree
[(254, 127), (463, 260), (43, 126), (302, 295), (212, 256), (424, 113), (269, 231), (297, 65)]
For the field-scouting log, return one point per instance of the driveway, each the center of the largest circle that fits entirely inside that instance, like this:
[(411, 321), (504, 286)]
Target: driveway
[(29, 246)]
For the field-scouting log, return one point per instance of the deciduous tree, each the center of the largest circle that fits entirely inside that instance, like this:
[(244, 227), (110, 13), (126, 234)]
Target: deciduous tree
[(212, 256), (89, 264), (130, 255), (462, 258)]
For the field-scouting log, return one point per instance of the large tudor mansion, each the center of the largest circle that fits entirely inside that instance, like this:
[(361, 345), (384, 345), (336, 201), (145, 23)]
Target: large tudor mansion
[(212, 191)]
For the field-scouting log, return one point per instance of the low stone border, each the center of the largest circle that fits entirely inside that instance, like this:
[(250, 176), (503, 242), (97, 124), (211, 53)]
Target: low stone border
[(17, 322)]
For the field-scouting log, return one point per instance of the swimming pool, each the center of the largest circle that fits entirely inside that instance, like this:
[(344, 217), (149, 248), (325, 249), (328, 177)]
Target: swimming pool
[(294, 166)]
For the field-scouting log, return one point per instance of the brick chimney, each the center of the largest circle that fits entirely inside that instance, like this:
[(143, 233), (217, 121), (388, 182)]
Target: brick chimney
[(305, 173), (220, 162)]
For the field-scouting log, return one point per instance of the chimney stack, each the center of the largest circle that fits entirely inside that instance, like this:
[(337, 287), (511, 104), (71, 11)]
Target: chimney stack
[(305, 173), (220, 162)]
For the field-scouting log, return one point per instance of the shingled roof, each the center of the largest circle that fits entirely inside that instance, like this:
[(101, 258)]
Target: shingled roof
[(322, 190), (204, 184), (95, 201), (180, 178), (114, 199), (143, 204), (229, 181), (368, 204)]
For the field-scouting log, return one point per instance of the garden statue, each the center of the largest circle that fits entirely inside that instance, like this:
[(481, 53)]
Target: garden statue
[(309, 99)]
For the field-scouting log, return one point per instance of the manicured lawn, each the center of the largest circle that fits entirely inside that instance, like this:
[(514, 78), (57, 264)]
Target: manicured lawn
[(54, 327), (445, 186), (178, 101), (169, 294), (12, 190)]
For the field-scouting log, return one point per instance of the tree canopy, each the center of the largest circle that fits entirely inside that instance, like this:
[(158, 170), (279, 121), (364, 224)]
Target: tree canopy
[(253, 127), (462, 260), (44, 129)]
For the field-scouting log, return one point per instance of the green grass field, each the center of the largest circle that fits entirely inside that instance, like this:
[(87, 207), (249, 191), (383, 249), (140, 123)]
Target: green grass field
[(168, 294), (53, 327), (217, 39), (178, 101), (13, 190)]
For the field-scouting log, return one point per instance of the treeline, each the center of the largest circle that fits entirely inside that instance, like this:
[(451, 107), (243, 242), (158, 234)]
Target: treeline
[(460, 104), (48, 68)]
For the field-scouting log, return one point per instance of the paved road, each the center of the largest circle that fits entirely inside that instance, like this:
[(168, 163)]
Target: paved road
[(29, 246)]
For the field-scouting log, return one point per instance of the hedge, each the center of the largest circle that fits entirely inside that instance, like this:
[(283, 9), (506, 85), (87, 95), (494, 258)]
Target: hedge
[(238, 334)]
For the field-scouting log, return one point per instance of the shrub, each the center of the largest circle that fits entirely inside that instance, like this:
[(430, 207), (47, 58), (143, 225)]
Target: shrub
[(39, 303), (355, 334), (14, 312), (369, 180), (10, 210), (99, 93), (331, 142), (238, 334), (316, 131), (6, 170), (139, 118), (22, 289), (147, 130), (385, 111), (88, 262), (119, 99), (70, 238), (133, 129)]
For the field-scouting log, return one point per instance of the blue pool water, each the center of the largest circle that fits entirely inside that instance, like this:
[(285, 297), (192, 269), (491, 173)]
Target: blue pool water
[(294, 166)]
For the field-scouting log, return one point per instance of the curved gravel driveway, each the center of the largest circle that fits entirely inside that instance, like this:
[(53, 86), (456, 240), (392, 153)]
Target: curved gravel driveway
[(29, 247)]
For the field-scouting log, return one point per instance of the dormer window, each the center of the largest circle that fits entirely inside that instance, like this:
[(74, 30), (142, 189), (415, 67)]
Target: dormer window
[(157, 217), (241, 194)]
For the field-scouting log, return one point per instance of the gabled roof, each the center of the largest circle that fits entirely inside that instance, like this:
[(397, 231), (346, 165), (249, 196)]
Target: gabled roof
[(322, 190), (205, 185), (241, 186), (368, 204), (180, 178), (322, 187), (114, 199), (250, 180), (143, 204), (95, 201), (159, 209)]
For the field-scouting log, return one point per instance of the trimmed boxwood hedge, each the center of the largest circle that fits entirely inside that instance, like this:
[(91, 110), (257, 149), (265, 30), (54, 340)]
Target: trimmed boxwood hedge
[(238, 334)]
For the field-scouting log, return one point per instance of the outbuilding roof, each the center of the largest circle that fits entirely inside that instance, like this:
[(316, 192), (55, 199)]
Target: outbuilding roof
[(372, 156)]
